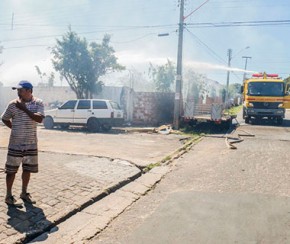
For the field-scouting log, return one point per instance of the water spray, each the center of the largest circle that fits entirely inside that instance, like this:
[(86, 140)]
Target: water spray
[(209, 66)]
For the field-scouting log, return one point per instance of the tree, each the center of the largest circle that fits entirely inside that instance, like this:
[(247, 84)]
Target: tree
[(234, 90), (162, 76), (82, 64), (49, 82)]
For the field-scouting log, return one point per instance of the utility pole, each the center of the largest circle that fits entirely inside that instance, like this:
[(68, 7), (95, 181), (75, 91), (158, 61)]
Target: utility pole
[(228, 76), (246, 62), (178, 101)]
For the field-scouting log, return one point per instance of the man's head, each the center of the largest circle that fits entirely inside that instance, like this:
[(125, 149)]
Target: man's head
[(24, 90)]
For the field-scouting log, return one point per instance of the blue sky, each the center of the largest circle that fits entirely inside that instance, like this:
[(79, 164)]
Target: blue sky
[(134, 26)]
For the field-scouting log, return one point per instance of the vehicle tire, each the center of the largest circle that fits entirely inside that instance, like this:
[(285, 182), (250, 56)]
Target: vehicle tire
[(279, 121), (247, 120), (93, 125), (244, 113), (48, 122), (106, 127)]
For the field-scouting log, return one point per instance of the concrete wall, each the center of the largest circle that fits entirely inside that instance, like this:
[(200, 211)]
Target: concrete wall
[(49, 95)]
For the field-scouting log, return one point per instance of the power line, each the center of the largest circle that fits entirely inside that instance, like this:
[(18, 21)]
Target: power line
[(34, 45), (240, 23), (212, 53), (200, 25), (91, 32)]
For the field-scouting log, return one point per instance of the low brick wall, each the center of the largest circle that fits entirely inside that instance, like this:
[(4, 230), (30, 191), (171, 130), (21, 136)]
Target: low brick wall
[(153, 108)]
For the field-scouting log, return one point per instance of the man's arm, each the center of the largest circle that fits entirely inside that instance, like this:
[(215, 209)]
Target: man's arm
[(34, 116), (7, 123)]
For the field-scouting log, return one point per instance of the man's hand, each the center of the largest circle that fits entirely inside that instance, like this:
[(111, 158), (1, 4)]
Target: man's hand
[(34, 116), (7, 123), (21, 106)]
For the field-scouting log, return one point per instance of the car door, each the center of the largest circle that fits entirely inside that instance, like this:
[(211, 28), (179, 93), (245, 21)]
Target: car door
[(100, 109), (82, 110), (65, 112)]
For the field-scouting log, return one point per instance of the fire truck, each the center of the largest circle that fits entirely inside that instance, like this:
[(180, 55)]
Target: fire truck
[(263, 98)]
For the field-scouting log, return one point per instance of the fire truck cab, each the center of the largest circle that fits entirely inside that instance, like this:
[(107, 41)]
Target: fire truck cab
[(263, 96)]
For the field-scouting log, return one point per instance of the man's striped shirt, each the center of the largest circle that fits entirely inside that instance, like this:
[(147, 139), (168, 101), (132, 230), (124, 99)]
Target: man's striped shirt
[(24, 129)]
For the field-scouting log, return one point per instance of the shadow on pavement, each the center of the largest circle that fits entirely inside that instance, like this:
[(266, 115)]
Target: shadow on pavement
[(30, 220), (210, 128)]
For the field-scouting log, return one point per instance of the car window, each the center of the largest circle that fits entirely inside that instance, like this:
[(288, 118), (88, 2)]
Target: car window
[(84, 104), (115, 105), (99, 105), (69, 104)]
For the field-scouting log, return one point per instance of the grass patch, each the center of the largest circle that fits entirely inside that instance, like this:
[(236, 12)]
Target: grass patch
[(166, 159), (151, 166), (233, 110)]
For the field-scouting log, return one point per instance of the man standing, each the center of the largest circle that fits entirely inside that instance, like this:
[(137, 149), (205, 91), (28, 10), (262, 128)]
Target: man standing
[(22, 116)]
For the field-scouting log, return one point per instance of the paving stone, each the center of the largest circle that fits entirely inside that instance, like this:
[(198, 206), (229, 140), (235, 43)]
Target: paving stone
[(64, 183)]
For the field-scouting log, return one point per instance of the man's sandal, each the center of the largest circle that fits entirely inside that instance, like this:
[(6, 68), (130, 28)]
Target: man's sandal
[(11, 201), (26, 197)]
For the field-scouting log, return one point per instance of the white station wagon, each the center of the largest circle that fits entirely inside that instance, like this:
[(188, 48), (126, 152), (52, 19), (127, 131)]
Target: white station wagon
[(96, 114)]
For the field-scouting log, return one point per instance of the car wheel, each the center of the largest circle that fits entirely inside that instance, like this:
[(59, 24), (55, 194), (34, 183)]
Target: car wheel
[(48, 122), (247, 120), (93, 125), (106, 127)]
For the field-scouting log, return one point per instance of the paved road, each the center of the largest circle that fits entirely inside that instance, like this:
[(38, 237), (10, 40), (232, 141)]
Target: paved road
[(76, 169), (217, 195)]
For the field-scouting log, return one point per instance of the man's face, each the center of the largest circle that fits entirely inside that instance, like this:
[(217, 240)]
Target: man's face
[(24, 94)]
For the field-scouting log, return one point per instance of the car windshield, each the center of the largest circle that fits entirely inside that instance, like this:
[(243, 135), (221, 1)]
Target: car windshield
[(69, 105), (274, 89)]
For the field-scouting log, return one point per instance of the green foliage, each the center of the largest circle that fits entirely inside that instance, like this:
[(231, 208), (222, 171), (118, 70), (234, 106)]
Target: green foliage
[(162, 76), (82, 64), (234, 90), (233, 110)]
